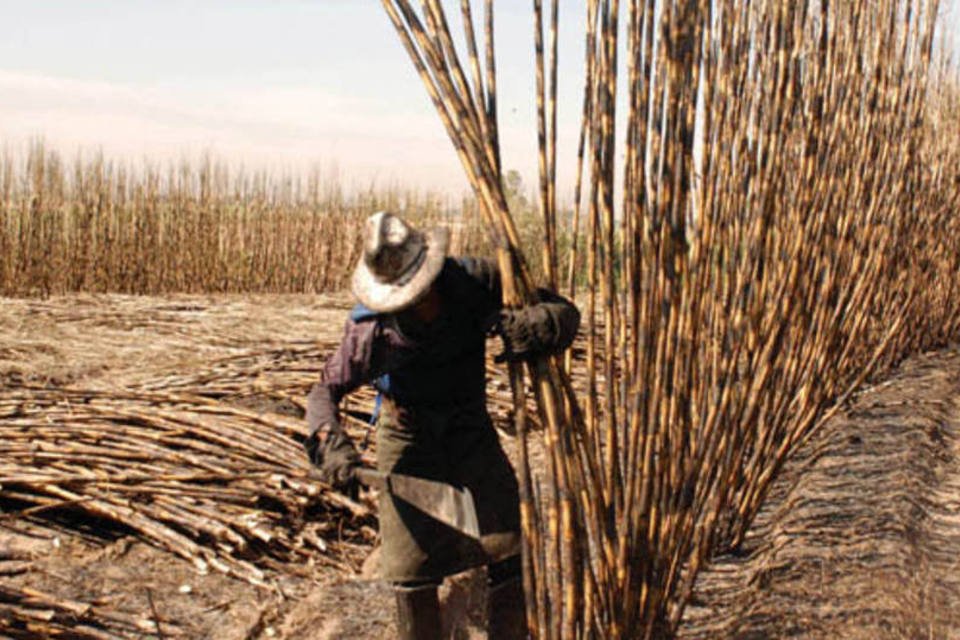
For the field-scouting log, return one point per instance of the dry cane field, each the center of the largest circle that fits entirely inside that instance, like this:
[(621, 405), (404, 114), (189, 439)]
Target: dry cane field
[(755, 435)]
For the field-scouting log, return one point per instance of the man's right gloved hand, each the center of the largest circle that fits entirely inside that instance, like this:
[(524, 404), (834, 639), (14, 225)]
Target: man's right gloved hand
[(333, 453)]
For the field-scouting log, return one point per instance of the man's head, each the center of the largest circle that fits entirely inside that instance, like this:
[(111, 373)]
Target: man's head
[(399, 263)]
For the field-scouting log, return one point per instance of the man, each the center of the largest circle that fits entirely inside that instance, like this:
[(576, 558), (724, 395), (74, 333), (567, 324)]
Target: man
[(419, 335)]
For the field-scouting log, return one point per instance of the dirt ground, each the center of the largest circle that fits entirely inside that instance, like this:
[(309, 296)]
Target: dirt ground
[(860, 538)]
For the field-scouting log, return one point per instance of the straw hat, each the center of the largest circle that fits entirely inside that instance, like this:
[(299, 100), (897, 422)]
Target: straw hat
[(399, 263)]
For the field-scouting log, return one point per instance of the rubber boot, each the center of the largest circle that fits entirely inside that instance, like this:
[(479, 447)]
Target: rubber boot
[(418, 612), (506, 611)]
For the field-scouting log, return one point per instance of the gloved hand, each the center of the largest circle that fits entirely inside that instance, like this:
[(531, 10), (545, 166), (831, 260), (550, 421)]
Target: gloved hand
[(527, 332), (333, 453)]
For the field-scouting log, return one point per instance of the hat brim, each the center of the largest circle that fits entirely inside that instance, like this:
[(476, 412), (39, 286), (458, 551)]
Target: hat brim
[(385, 297)]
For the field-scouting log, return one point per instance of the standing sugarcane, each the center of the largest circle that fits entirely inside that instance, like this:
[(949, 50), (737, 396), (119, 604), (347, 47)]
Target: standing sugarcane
[(730, 294)]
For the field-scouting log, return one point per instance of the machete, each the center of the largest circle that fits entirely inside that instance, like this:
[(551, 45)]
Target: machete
[(452, 506)]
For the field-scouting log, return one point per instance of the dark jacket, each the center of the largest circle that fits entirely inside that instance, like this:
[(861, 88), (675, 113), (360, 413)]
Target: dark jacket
[(442, 365)]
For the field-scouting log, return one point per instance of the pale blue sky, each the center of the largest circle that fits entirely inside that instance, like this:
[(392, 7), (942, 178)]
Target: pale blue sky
[(285, 84)]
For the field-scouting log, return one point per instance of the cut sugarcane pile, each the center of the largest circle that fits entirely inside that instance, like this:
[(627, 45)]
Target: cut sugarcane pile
[(222, 487), (28, 613)]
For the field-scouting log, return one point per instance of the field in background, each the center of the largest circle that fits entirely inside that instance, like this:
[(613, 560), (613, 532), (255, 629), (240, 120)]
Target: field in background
[(98, 226)]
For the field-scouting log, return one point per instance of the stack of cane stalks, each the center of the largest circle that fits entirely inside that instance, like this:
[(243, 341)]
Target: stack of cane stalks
[(225, 488), (786, 199), (29, 614)]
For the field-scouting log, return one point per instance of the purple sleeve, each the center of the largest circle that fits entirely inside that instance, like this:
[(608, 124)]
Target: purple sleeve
[(350, 366)]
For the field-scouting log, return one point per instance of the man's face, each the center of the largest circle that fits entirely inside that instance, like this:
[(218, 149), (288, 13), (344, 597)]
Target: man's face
[(428, 307)]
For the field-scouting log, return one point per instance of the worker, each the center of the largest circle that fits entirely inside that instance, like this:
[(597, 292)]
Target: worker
[(419, 335)]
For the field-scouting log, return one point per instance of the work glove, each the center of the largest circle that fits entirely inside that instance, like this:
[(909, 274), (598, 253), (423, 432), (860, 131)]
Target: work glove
[(332, 452), (527, 333)]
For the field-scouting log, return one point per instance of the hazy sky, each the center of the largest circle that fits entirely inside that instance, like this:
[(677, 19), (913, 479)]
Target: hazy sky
[(281, 83), (278, 83)]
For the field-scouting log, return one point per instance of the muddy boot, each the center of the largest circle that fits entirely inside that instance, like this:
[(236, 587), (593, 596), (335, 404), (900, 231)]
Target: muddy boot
[(418, 611), (506, 610)]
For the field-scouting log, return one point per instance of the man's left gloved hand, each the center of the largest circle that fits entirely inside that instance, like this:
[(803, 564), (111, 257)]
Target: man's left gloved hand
[(336, 459), (546, 327), (527, 332)]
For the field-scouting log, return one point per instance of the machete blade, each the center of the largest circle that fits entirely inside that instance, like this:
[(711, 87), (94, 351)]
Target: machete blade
[(452, 506)]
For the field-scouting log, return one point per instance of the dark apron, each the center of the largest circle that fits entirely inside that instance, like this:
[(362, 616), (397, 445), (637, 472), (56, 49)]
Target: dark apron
[(457, 445)]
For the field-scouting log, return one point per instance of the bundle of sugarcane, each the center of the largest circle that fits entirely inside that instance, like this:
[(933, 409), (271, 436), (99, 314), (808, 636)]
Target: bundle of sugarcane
[(29, 614), (759, 267), (222, 487), (750, 303)]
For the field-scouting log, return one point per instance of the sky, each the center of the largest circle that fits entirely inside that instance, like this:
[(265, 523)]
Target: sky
[(277, 84), (282, 84)]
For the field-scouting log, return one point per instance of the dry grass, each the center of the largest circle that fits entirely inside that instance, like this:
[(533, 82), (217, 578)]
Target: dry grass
[(97, 226)]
